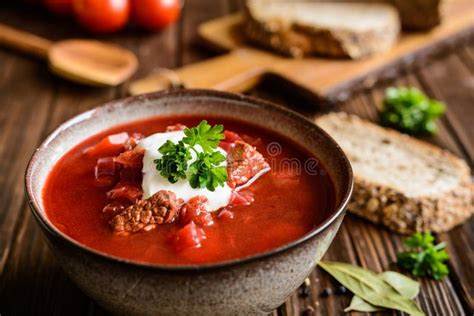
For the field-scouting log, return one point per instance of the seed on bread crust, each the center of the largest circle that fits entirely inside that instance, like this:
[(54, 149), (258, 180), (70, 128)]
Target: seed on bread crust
[(438, 207)]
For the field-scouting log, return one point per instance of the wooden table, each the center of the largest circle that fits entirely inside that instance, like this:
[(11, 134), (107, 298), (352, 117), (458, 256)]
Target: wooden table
[(33, 102)]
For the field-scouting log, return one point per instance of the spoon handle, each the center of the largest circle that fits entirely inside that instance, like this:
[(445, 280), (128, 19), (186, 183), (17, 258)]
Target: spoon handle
[(236, 71), (24, 42)]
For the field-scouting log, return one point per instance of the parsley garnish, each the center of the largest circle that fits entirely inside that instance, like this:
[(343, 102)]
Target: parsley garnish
[(424, 258), (204, 135), (174, 162), (205, 171), (410, 110)]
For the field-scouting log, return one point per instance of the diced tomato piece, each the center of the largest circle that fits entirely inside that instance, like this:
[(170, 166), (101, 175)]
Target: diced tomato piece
[(225, 145), (190, 236), (231, 137), (225, 214), (195, 211), (204, 219), (125, 191), (105, 172), (109, 146), (243, 197)]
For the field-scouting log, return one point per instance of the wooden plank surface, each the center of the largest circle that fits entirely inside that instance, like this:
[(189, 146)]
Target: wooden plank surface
[(334, 79), (33, 102)]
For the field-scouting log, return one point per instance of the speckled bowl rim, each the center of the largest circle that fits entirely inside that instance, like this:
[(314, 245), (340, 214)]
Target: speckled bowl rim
[(124, 102)]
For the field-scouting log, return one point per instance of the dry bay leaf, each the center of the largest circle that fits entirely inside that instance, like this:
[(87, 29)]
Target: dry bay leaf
[(359, 305), (371, 288), (403, 284)]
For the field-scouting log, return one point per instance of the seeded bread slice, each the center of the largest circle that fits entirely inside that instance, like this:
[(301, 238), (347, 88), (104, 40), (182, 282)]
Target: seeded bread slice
[(401, 182), (336, 29), (415, 15), (419, 15)]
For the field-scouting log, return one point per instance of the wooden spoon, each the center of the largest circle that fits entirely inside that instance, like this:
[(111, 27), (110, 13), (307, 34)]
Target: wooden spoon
[(85, 61)]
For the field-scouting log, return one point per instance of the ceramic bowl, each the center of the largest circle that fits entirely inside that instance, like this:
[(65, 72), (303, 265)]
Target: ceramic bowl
[(247, 286)]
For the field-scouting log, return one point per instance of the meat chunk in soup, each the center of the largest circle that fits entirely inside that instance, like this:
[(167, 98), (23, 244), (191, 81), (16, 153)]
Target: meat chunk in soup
[(162, 207), (243, 163)]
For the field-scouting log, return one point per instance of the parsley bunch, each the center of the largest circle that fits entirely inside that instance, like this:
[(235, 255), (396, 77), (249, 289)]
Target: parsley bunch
[(424, 258), (410, 110), (205, 171)]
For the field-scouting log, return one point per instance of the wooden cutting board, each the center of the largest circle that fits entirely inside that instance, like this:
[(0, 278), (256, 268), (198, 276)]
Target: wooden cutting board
[(323, 79)]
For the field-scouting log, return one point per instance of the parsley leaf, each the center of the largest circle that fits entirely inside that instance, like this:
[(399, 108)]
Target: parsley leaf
[(424, 258), (204, 135), (206, 171), (410, 110), (174, 162)]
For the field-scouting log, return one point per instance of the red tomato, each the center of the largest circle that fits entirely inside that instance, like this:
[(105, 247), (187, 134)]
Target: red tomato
[(60, 7), (109, 146), (125, 191), (155, 14), (102, 16), (189, 236), (244, 197), (231, 137)]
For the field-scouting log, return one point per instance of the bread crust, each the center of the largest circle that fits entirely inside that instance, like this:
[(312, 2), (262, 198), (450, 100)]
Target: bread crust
[(419, 15), (389, 206), (298, 40)]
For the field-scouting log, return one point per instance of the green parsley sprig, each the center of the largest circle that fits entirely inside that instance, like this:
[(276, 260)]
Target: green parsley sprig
[(206, 171), (423, 257), (410, 110)]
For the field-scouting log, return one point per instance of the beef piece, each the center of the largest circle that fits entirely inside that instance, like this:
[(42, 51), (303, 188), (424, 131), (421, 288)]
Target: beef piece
[(105, 172), (114, 208), (243, 163), (163, 207), (131, 164), (176, 127), (132, 158)]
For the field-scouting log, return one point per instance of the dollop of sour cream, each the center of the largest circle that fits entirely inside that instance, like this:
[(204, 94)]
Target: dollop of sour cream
[(154, 182)]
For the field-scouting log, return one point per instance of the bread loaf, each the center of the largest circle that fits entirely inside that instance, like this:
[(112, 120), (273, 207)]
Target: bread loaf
[(401, 182), (336, 29), (415, 15)]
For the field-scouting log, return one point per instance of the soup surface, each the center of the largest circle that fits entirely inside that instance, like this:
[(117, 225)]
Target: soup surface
[(280, 206)]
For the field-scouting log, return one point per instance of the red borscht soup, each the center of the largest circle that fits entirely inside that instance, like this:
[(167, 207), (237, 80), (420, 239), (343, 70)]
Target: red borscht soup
[(187, 190)]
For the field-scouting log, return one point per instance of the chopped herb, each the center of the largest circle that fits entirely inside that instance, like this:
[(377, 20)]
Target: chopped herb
[(423, 257), (410, 110), (206, 171), (204, 135), (174, 162)]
